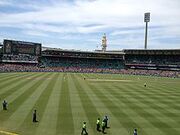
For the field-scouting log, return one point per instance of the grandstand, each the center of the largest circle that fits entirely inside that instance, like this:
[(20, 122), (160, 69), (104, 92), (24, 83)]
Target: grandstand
[(20, 56), (1, 52), (153, 59), (20, 52), (54, 58)]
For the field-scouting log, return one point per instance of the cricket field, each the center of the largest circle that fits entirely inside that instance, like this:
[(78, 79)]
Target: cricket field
[(65, 100)]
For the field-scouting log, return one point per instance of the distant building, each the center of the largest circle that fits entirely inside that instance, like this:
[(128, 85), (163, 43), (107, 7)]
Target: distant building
[(104, 43)]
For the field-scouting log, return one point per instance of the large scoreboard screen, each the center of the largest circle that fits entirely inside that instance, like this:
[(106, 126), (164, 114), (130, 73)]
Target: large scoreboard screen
[(21, 47)]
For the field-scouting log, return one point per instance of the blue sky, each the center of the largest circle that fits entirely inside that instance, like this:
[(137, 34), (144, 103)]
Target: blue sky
[(80, 24)]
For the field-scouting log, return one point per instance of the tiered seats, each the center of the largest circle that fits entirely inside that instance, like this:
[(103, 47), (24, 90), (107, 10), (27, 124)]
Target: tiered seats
[(82, 62), (154, 59)]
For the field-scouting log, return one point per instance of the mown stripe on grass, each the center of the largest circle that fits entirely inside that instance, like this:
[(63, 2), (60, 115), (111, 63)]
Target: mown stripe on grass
[(172, 86), (8, 94), (167, 100), (4, 75), (9, 89), (91, 112), (41, 103), (158, 102), (123, 118), (151, 119), (102, 108), (166, 89), (171, 98), (10, 83), (7, 77), (65, 125), (48, 123), (27, 126), (22, 104), (10, 74), (17, 100), (76, 105)]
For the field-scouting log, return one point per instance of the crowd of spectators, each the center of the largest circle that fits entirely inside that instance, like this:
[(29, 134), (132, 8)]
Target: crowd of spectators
[(36, 68), (81, 62), (161, 73), (20, 58), (153, 59), (19, 68)]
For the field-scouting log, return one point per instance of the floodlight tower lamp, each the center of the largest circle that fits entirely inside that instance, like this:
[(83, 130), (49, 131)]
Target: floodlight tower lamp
[(146, 20)]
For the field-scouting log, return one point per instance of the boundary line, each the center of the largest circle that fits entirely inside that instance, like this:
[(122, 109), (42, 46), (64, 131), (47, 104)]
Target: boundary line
[(7, 133)]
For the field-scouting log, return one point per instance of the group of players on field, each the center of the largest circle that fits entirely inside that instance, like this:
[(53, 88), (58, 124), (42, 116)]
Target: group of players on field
[(98, 125), (103, 124)]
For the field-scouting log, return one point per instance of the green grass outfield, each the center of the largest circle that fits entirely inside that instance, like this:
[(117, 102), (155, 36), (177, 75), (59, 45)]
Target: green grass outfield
[(64, 100)]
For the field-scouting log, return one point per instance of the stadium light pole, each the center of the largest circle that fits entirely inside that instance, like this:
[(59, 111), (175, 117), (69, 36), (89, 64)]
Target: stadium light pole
[(146, 20)]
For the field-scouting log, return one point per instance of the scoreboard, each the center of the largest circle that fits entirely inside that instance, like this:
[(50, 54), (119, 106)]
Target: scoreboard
[(21, 47)]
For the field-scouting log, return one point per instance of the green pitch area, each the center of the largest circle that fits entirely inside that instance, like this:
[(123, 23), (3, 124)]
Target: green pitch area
[(64, 100)]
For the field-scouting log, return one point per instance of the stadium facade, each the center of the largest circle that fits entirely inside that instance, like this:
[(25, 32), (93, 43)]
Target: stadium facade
[(28, 56)]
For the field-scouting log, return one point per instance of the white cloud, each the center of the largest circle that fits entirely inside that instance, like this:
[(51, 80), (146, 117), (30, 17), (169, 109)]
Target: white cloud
[(93, 16), (114, 13), (35, 33), (125, 32), (4, 2)]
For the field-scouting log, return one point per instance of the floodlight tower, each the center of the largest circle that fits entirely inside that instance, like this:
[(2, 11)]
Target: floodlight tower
[(104, 43), (146, 20)]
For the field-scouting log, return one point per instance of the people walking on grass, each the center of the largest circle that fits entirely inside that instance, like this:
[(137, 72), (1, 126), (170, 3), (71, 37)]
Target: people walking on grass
[(135, 132), (103, 127), (106, 121), (4, 105), (84, 129), (98, 124), (34, 116)]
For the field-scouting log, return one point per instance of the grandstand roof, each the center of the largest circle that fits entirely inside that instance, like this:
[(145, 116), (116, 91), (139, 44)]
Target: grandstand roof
[(79, 51), (153, 51), (111, 51), (21, 42)]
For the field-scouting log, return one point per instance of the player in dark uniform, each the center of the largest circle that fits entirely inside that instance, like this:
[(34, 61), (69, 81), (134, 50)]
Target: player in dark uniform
[(106, 121), (144, 84), (4, 105), (135, 132), (98, 124), (34, 116), (84, 129)]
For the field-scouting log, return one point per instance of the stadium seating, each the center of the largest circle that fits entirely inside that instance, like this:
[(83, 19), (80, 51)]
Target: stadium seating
[(153, 63), (36, 68), (154, 59), (19, 58), (82, 62)]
